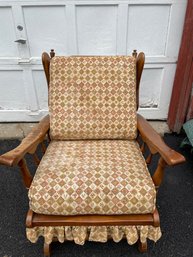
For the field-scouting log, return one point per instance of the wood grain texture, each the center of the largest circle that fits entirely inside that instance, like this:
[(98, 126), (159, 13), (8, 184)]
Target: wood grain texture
[(28, 144), (159, 173), (46, 58), (184, 75), (46, 64), (140, 60), (26, 176), (190, 108), (47, 252), (156, 143), (34, 219), (142, 246)]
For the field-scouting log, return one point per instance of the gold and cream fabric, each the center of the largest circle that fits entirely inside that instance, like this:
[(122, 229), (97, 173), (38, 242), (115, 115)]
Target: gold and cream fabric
[(92, 177), (93, 97), (98, 234)]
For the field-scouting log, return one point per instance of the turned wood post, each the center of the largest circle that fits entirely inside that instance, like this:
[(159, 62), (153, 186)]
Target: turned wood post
[(134, 54), (52, 53), (159, 173), (27, 178)]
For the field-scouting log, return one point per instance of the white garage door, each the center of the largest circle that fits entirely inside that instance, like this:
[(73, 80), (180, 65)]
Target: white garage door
[(86, 28)]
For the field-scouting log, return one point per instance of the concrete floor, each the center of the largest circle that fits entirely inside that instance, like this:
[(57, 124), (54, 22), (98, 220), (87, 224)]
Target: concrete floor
[(175, 204), (20, 130)]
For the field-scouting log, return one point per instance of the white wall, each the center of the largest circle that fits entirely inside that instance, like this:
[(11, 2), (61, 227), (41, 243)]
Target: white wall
[(86, 28)]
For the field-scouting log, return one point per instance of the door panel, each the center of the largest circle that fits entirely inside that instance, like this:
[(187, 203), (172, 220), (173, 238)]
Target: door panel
[(41, 88), (46, 28), (96, 29), (151, 82), (12, 90), (151, 27), (86, 28), (7, 33)]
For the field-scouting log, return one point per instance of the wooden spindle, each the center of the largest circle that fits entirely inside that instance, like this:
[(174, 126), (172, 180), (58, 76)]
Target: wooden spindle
[(149, 158), (52, 53), (43, 147), (134, 54), (46, 250), (142, 246), (36, 159), (159, 173), (27, 178), (48, 136), (143, 148)]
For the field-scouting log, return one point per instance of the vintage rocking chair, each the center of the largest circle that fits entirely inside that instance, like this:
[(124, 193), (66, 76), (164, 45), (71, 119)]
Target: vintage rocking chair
[(93, 182)]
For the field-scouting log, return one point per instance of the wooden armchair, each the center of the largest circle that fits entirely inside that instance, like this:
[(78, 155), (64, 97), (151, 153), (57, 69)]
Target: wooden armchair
[(93, 182)]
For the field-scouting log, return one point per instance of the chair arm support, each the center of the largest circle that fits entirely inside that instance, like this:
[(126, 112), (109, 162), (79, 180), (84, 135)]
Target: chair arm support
[(28, 144), (156, 143)]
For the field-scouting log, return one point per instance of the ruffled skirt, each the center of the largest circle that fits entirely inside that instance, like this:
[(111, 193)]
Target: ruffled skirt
[(79, 234)]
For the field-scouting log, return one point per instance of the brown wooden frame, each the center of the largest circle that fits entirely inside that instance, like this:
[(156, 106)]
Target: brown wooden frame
[(146, 133)]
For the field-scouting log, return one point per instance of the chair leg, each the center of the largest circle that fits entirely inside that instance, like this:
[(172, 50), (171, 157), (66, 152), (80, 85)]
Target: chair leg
[(142, 246), (46, 250)]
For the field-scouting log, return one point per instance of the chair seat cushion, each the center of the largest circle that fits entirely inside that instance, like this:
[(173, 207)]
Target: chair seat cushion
[(92, 177)]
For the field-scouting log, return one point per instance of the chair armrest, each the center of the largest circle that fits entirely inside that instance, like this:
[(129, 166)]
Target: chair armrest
[(156, 143), (28, 144)]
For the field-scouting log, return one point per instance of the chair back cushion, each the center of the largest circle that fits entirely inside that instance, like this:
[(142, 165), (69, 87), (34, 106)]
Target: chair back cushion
[(92, 97)]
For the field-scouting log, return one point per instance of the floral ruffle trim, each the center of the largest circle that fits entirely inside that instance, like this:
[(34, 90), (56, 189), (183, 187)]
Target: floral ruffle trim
[(99, 233)]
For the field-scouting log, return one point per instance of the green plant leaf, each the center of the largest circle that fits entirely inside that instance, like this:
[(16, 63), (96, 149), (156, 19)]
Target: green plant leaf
[(188, 127)]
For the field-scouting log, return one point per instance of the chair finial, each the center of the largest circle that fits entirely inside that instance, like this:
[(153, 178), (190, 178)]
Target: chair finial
[(52, 53), (134, 54)]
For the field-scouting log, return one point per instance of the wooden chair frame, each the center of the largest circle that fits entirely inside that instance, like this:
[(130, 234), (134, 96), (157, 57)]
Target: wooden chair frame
[(146, 134)]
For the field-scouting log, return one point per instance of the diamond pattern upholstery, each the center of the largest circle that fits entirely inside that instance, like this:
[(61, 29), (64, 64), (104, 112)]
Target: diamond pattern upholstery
[(92, 177), (93, 97)]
